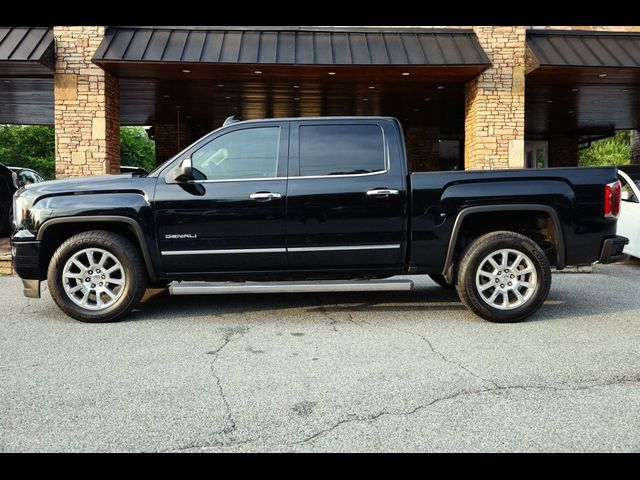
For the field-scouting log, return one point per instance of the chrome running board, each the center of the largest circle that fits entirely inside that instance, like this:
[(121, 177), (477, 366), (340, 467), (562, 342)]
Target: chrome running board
[(210, 288)]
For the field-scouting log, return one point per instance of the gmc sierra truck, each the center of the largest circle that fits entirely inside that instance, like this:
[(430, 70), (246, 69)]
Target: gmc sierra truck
[(309, 204)]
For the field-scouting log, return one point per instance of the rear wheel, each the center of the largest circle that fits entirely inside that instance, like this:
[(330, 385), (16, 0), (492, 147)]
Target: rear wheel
[(97, 277), (504, 277)]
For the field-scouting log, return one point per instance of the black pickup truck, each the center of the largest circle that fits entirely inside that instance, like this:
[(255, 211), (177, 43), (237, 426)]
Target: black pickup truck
[(305, 205)]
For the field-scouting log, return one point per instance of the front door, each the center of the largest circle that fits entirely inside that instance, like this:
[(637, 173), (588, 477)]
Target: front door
[(232, 217), (345, 200)]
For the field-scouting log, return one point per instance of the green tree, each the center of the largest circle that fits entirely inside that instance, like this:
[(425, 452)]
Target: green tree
[(29, 146), (33, 146), (615, 150), (136, 148)]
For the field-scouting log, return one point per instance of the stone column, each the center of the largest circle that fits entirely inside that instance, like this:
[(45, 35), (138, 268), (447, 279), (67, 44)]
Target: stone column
[(494, 102), (635, 147), (87, 106)]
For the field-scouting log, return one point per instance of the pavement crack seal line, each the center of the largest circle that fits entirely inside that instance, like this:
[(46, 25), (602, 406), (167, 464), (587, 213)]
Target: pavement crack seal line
[(323, 309), (230, 427), (332, 320), (352, 418), (443, 356)]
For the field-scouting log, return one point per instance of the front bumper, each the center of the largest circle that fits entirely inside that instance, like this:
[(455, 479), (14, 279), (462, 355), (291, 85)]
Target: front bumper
[(612, 250), (26, 264)]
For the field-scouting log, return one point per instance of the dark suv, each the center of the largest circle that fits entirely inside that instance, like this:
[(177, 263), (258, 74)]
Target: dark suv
[(8, 186)]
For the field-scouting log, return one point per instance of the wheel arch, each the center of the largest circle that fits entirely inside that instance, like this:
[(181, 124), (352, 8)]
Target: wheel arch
[(128, 227), (469, 212)]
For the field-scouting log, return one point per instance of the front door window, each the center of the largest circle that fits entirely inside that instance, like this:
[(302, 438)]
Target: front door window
[(240, 155)]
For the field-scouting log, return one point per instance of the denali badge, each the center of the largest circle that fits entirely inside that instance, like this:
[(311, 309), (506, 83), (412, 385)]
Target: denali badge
[(181, 236)]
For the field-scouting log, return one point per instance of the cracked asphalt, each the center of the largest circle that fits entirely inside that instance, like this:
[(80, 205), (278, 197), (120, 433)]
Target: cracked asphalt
[(332, 372)]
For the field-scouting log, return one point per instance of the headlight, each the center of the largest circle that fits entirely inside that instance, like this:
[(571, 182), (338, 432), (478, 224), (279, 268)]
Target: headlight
[(21, 206)]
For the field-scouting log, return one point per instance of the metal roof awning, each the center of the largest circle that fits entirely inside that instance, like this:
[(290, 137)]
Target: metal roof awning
[(304, 46), (583, 82), (26, 52), (585, 49)]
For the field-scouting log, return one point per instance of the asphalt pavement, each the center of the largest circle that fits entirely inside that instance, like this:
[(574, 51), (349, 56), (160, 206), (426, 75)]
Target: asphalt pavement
[(403, 371)]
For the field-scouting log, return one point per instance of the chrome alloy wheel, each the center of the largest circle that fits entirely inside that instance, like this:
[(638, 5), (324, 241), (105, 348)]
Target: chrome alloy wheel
[(93, 279), (506, 279)]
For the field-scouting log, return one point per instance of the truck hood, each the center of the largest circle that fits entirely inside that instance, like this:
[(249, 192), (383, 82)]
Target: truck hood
[(102, 184)]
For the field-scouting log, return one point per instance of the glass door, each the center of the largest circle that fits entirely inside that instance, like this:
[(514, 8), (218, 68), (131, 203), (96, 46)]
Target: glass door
[(536, 154)]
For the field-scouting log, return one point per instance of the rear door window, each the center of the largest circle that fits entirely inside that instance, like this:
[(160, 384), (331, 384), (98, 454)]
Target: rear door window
[(328, 150)]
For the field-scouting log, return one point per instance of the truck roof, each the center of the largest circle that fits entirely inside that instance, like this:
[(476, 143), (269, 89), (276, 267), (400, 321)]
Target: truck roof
[(307, 119)]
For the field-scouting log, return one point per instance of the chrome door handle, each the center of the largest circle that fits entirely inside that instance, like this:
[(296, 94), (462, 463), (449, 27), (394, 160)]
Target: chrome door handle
[(265, 196), (382, 192)]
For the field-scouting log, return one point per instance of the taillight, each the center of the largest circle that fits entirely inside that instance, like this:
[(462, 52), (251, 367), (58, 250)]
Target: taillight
[(612, 199)]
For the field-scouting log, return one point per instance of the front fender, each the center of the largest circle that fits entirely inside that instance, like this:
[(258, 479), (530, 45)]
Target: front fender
[(126, 208)]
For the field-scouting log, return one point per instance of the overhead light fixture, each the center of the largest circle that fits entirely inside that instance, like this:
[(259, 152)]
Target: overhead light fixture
[(332, 73), (549, 101), (416, 109), (574, 89), (220, 85), (365, 99), (372, 87), (185, 70), (227, 98), (602, 75), (297, 99), (258, 72), (296, 86), (571, 112), (166, 96), (7, 81), (427, 99), (405, 74), (440, 87)]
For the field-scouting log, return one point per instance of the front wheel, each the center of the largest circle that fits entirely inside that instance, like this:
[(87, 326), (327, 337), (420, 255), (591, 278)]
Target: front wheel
[(97, 277), (504, 277)]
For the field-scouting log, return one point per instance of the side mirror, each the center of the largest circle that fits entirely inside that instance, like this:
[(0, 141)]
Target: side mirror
[(184, 172), (625, 196)]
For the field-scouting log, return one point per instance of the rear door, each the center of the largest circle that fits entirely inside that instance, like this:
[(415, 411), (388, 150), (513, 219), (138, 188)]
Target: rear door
[(346, 196)]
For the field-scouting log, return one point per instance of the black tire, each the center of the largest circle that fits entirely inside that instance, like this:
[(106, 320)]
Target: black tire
[(440, 280), (125, 252), (471, 261)]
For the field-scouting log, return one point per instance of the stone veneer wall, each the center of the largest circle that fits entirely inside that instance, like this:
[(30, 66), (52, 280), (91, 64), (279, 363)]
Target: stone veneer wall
[(5, 265), (494, 102), (87, 106)]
